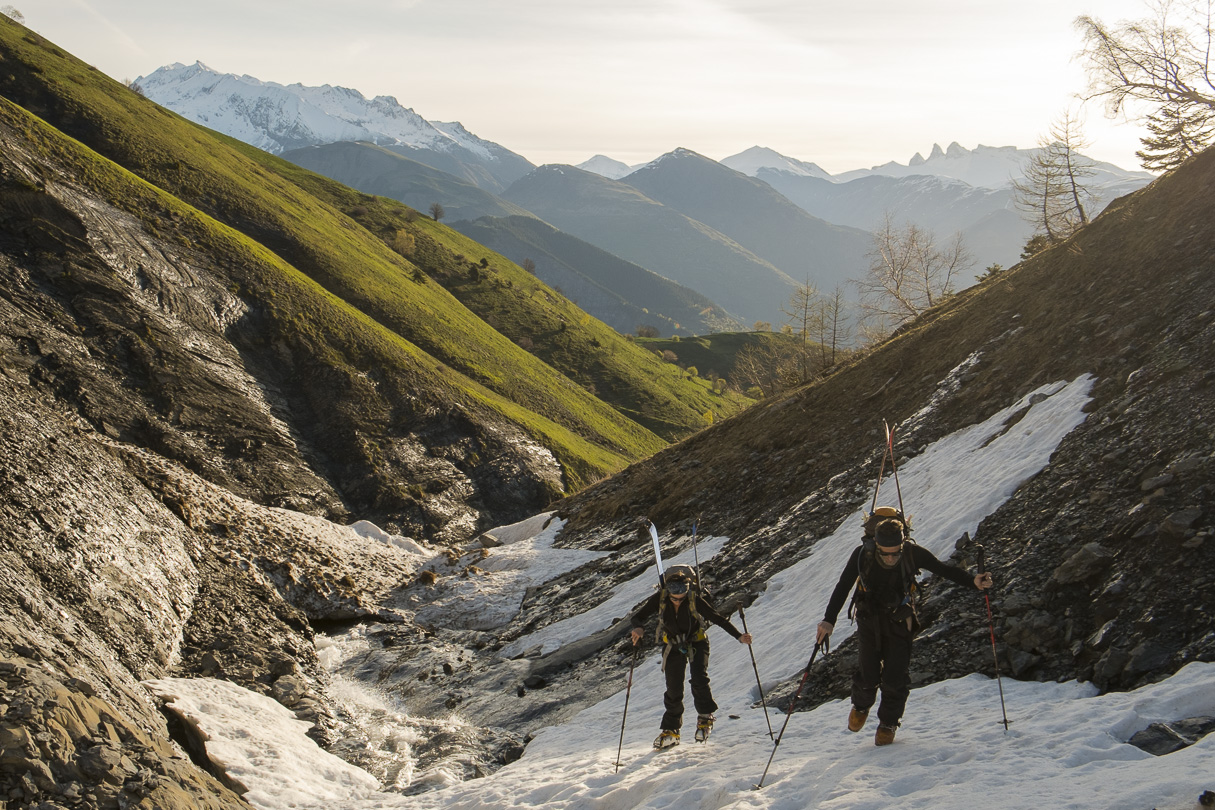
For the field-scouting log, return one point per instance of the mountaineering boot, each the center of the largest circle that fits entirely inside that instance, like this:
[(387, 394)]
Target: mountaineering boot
[(884, 735), (856, 718), (667, 739), (704, 725)]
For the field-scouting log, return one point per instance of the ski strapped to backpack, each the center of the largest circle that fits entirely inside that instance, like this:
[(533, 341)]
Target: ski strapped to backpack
[(662, 580), (700, 627), (874, 518)]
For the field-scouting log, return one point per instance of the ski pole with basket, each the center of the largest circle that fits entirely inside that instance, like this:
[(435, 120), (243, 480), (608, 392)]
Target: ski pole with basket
[(789, 712)]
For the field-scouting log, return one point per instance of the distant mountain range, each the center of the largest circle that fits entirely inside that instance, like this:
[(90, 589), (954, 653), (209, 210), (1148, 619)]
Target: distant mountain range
[(954, 190), (985, 217), (279, 118), (983, 166), (756, 216), (621, 219), (608, 167), (742, 232), (385, 171), (620, 293), (751, 161)]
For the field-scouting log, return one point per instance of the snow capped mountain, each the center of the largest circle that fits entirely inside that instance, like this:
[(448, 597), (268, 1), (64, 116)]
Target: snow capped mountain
[(991, 167), (606, 167), (752, 160), (984, 166), (456, 131), (281, 118), (276, 118), (987, 166), (679, 153)]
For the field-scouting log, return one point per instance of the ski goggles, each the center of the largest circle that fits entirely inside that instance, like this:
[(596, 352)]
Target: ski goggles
[(677, 587)]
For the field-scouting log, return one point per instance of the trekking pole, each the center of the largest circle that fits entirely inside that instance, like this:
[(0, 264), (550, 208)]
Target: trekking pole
[(695, 553), (627, 690), (742, 615), (789, 712), (991, 626)]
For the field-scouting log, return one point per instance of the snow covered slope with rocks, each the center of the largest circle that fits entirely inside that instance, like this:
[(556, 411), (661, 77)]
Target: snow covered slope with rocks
[(952, 744)]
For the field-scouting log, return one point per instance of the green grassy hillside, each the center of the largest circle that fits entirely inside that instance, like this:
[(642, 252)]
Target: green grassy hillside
[(620, 293), (715, 353), (317, 229), (530, 314)]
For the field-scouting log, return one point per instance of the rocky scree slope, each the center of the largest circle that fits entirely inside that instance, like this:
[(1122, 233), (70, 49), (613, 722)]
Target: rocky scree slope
[(1103, 561), (160, 445)]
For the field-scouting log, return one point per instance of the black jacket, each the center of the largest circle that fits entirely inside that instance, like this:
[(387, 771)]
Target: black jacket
[(681, 622), (887, 587)]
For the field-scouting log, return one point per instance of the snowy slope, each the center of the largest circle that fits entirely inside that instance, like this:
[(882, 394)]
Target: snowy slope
[(1066, 746)]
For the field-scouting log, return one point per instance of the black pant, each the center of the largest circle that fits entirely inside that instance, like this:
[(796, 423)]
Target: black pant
[(884, 660), (696, 660)]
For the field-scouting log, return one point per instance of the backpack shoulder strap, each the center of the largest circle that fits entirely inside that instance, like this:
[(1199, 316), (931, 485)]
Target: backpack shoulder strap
[(909, 570), (660, 631)]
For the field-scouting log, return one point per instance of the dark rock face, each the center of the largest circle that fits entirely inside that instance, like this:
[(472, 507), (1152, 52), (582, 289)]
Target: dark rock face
[(149, 341), (63, 745), (1165, 738)]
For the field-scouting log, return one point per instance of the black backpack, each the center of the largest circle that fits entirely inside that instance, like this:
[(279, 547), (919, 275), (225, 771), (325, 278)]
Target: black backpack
[(866, 558)]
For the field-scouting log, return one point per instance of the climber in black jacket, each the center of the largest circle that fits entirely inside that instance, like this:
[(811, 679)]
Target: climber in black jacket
[(684, 614), (885, 620)]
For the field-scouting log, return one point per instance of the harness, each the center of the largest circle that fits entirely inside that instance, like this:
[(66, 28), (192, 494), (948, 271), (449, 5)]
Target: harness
[(678, 641), (681, 640)]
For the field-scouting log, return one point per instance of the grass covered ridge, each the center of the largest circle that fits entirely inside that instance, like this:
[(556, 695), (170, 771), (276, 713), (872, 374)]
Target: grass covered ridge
[(342, 241)]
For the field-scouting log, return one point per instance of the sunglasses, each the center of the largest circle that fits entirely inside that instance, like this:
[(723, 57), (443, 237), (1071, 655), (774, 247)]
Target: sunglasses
[(890, 555), (677, 587)]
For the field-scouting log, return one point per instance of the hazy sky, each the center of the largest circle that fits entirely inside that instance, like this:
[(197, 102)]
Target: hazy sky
[(843, 84)]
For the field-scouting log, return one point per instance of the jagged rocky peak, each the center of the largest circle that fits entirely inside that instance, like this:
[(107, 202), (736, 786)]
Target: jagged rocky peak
[(956, 150)]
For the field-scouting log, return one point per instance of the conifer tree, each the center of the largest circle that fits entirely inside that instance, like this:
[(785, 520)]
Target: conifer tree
[(1053, 193), (1176, 135)]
